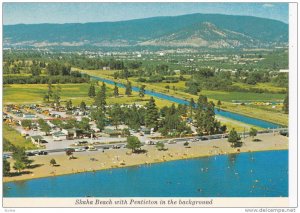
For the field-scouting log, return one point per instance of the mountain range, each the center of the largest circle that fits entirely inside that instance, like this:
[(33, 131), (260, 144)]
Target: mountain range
[(193, 30)]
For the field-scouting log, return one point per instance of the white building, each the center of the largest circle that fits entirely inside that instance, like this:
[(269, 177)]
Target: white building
[(58, 136)]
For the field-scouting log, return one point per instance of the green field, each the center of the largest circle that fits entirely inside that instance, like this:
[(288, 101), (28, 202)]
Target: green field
[(242, 96), (15, 138), (265, 86), (34, 93)]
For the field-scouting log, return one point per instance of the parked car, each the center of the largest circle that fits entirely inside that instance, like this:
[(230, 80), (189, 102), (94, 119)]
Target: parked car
[(69, 149), (43, 153), (92, 148), (116, 147), (5, 156), (172, 142), (79, 149), (32, 153), (203, 138)]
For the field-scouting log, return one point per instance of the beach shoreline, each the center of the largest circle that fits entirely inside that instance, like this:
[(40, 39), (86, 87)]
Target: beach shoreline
[(121, 158)]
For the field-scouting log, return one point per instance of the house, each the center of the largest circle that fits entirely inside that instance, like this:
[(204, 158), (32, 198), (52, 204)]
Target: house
[(58, 136), (106, 68), (28, 116), (112, 132), (146, 131), (36, 139), (70, 133)]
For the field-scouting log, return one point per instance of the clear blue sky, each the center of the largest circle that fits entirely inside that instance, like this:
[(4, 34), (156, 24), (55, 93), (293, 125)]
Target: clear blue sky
[(32, 13)]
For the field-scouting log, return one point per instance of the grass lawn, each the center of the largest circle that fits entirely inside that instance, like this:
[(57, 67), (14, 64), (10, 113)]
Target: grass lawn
[(238, 126), (14, 137)]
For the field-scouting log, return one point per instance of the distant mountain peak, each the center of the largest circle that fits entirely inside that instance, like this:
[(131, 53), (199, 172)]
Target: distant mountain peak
[(194, 30)]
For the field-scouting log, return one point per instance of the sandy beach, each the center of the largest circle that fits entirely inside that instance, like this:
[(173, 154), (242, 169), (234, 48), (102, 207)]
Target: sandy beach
[(117, 158)]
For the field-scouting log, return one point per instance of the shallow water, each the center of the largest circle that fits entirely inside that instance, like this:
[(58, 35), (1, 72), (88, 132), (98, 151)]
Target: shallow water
[(259, 174)]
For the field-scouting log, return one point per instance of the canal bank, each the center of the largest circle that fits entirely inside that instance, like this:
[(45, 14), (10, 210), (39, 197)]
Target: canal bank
[(231, 115)]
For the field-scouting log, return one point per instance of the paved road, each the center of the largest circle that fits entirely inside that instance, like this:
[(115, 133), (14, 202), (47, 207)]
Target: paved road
[(122, 145)]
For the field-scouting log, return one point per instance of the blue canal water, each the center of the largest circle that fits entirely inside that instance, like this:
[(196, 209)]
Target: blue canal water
[(231, 115), (259, 174)]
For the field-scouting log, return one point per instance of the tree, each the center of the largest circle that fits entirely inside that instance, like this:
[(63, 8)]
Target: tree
[(253, 132), (49, 93), (133, 143), (82, 106), (56, 94), (19, 154), (116, 90), (128, 88), (133, 118), (172, 124), (285, 106), (192, 106), (100, 99), (6, 167), (205, 117), (69, 153), (100, 120), (84, 124), (26, 123), (234, 138), (160, 146), (126, 73), (219, 104), (52, 162), (151, 117), (69, 105), (192, 87), (35, 70), (142, 91), (92, 91), (19, 166), (44, 126), (116, 114), (125, 132), (103, 89)]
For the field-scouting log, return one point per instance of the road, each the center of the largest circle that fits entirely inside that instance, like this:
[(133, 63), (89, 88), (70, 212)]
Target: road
[(122, 145)]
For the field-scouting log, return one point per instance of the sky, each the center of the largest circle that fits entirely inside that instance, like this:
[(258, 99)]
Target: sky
[(34, 13)]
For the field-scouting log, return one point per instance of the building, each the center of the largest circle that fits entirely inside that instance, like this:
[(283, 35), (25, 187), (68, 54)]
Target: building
[(146, 131), (28, 116), (70, 133), (106, 68), (58, 136), (37, 139)]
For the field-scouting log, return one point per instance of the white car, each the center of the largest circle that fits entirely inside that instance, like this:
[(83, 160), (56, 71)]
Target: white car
[(80, 150)]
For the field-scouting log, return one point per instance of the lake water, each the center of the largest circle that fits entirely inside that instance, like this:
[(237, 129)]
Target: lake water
[(259, 174), (231, 115)]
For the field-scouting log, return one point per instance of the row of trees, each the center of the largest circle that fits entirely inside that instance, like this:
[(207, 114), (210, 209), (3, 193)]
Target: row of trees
[(21, 162), (101, 95)]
